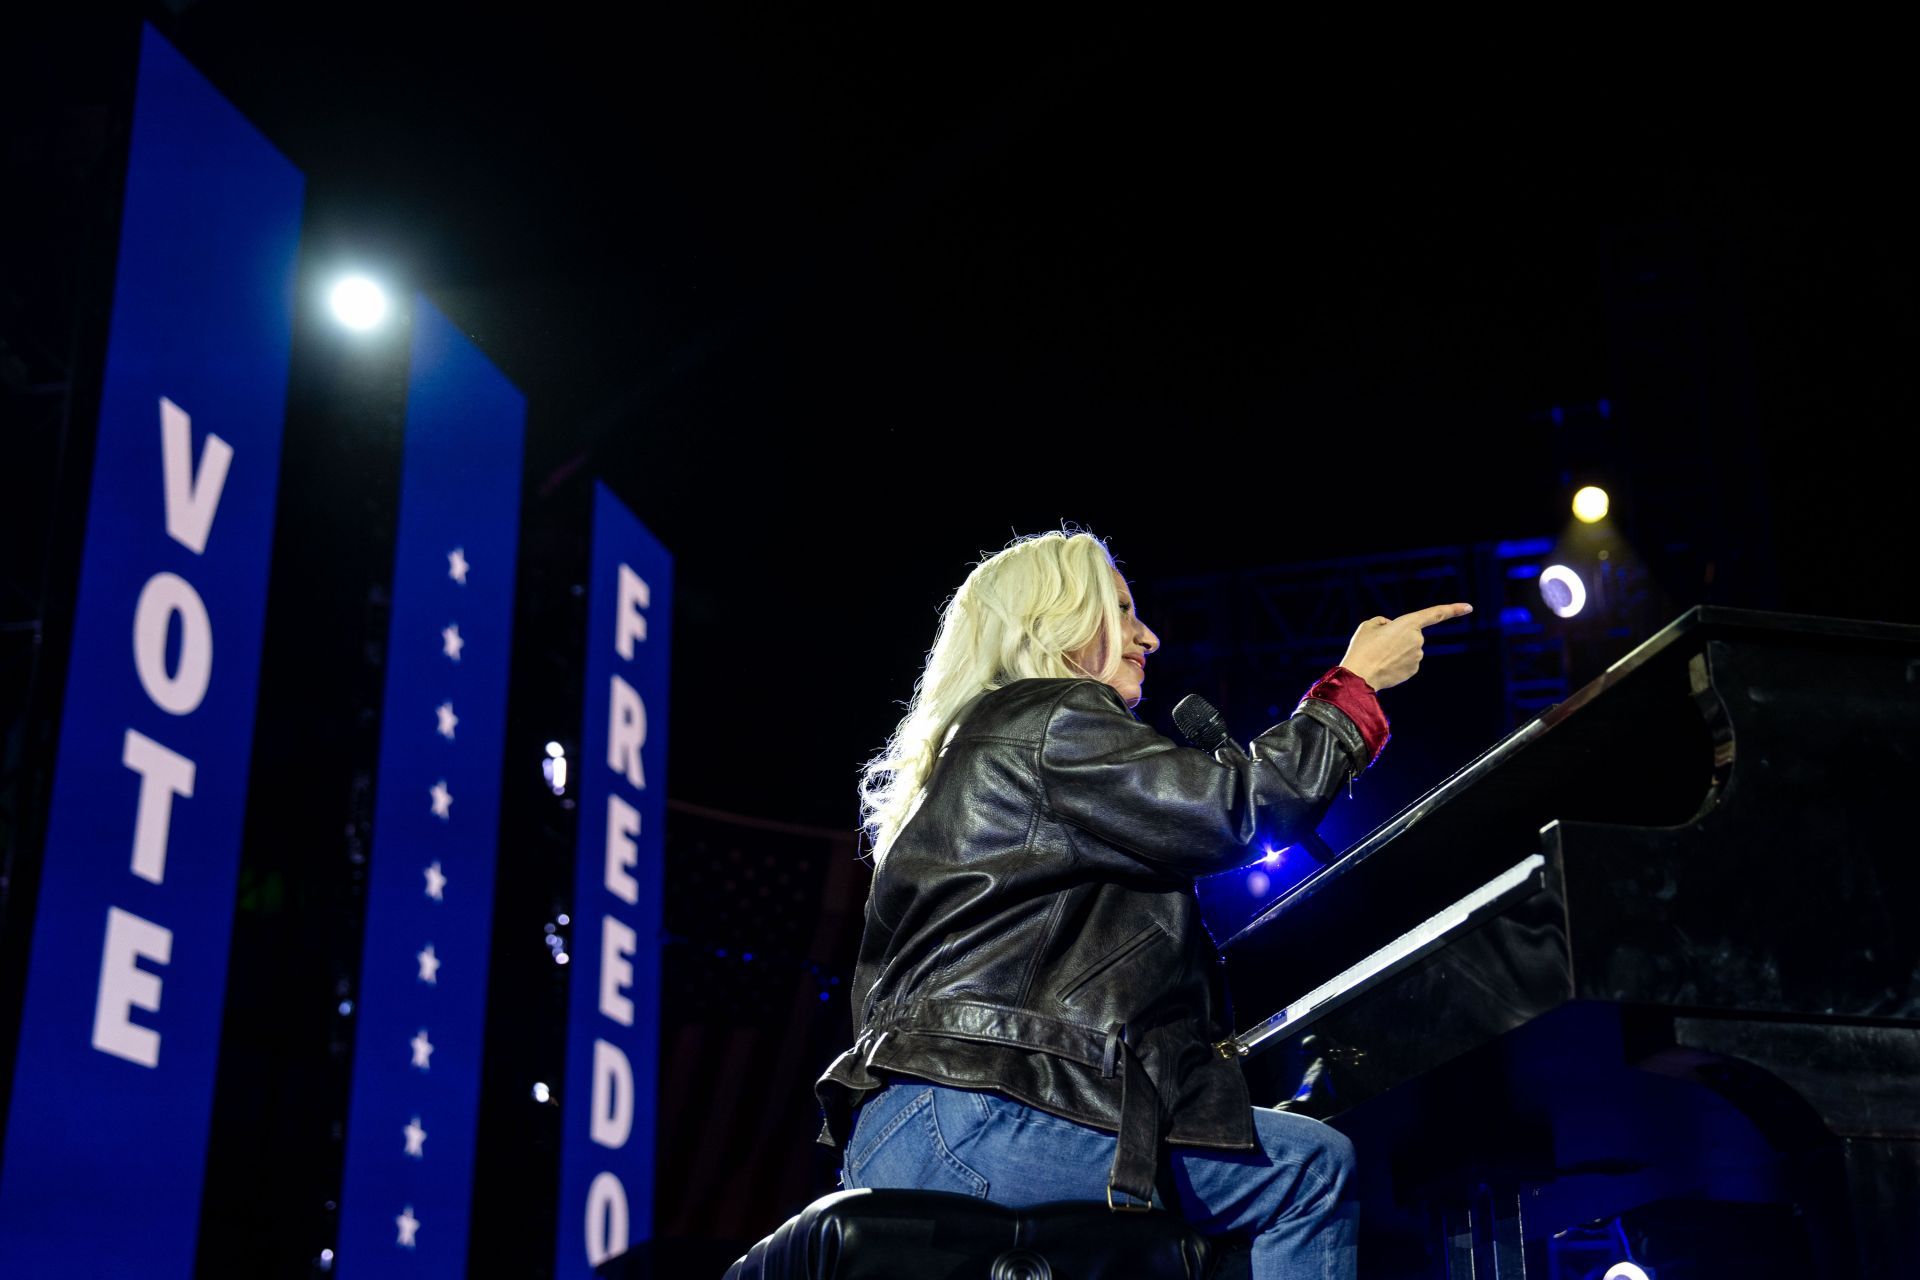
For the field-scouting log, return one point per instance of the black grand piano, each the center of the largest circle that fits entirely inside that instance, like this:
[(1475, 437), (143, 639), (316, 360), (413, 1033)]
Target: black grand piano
[(1640, 984)]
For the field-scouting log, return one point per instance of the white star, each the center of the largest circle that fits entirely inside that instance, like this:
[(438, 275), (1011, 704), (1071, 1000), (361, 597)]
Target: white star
[(422, 1050), (447, 719), (436, 880), (457, 565), (408, 1224), (416, 1138), (450, 641), (429, 965), (442, 800)]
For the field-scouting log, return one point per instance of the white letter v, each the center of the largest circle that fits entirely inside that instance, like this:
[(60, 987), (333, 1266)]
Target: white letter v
[(191, 500)]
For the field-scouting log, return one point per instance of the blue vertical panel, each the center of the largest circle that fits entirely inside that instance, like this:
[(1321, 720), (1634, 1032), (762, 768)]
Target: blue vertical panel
[(613, 1016), (113, 1084), (423, 977)]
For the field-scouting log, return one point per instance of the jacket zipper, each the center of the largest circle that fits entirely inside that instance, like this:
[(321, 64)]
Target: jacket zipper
[(1110, 960)]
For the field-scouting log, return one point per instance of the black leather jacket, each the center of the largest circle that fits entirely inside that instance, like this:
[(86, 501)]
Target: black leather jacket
[(1034, 928)]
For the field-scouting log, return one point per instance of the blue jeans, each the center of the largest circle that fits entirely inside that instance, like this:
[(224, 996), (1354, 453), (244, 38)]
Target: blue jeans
[(1289, 1196)]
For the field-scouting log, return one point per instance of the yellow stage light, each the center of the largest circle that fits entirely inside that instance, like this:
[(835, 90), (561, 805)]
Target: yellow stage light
[(1590, 504)]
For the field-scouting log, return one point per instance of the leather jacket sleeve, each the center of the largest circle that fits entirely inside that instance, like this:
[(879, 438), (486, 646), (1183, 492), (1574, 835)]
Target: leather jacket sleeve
[(1107, 773)]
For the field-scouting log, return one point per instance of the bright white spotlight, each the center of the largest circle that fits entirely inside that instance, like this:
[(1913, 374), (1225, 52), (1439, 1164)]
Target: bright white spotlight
[(1562, 591), (1590, 504), (1626, 1271), (358, 303)]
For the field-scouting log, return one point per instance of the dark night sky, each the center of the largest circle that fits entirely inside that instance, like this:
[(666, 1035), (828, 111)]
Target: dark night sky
[(838, 300)]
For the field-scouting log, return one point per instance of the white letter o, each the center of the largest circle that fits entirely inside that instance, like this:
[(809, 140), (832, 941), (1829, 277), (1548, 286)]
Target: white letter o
[(606, 1218), (181, 691)]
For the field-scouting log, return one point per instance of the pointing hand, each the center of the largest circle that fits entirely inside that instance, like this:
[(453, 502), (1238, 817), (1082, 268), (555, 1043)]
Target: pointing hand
[(1386, 651)]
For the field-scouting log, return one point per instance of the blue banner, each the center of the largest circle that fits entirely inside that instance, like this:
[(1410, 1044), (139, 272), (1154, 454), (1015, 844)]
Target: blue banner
[(407, 1193), (113, 1082), (613, 1016)]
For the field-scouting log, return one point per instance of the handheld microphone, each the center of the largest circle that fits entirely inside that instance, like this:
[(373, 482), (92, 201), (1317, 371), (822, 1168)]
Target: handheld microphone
[(1201, 723)]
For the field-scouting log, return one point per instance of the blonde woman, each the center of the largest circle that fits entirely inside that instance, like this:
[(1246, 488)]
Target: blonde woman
[(1036, 1003)]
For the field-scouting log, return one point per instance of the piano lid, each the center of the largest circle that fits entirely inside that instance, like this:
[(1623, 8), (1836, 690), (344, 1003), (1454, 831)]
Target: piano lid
[(1636, 746)]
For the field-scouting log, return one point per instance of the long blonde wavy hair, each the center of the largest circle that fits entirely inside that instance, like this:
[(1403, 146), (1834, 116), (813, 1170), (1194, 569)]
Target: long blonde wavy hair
[(1022, 613)]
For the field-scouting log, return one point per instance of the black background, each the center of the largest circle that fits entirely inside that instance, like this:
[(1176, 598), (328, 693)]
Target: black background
[(840, 300)]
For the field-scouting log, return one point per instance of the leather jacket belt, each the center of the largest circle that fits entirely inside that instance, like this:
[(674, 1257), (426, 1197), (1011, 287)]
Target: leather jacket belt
[(1135, 1155)]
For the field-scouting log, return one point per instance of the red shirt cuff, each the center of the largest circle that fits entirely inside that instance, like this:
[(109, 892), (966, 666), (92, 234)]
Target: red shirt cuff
[(1355, 696)]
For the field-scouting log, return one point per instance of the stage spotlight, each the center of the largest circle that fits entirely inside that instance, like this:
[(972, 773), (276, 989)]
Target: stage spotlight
[(1590, 504), (554, 766), (1562, 591), (358, 303), (1627, 1271), (540, 1091)]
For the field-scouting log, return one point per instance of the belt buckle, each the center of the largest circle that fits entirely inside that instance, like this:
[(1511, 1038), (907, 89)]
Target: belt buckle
[(1131, 1206)]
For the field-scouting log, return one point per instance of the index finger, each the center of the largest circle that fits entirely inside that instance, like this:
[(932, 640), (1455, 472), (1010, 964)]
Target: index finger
[(1424, 618)]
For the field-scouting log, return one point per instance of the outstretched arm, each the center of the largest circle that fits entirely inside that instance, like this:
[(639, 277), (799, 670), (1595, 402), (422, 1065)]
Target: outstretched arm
[(1108, 774)]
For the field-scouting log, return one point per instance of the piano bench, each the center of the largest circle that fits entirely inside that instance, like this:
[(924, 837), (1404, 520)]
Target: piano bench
[(867, 1234)]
